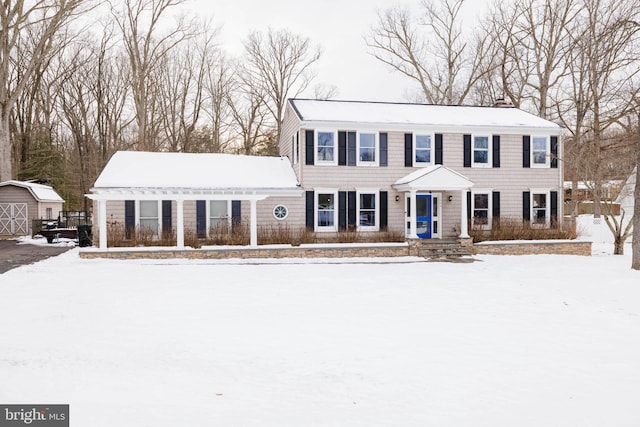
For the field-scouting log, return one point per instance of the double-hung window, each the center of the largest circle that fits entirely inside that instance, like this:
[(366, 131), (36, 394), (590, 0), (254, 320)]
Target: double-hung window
[(539, 151), (367, 149), (219, 214), (422, 151), (326, 210), (148, 219), (481, 150), (326, 147), (481, 213), (367, 210), (539, 208)]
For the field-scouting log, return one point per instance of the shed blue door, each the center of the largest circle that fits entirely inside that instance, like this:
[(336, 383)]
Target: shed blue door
[(423, 216)]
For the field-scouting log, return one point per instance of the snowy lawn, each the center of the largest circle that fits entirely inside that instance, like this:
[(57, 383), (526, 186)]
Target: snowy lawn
[(504, 341)]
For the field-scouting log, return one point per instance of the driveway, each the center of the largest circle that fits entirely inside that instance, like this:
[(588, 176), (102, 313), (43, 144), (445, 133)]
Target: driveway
[(13, 255)]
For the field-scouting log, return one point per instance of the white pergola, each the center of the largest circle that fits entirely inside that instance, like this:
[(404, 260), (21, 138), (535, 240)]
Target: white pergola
[(180, 177), (101, 196), (436, 178)]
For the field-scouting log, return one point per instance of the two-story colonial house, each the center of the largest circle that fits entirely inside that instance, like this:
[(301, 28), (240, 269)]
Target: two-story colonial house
[(427, 171)]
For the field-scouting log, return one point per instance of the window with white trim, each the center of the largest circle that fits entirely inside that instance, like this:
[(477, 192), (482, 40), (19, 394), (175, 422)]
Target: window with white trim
[(367, 210), (149, 219), (326, 147), (49, 213), (367, 147), (422, 149), (540, 208), (481, 209), (326, 210), (219, 217), (280, 212), (481, 150), (539, 151)]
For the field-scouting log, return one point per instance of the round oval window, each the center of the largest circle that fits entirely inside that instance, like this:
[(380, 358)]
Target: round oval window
[(280, 212)]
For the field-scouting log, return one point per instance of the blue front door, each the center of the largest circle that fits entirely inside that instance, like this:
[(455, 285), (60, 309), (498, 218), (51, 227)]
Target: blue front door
[(423, 216)]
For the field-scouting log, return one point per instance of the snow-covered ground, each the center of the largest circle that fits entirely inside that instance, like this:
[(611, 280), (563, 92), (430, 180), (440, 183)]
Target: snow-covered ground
[(504, 341)]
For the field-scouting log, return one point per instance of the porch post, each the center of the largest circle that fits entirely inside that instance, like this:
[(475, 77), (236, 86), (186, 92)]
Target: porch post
[(254, 224), (102, 222), (180, 224), (413, 234), (464, 228)]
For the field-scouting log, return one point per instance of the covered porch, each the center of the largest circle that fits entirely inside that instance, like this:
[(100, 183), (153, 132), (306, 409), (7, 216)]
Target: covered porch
[(426, 190)]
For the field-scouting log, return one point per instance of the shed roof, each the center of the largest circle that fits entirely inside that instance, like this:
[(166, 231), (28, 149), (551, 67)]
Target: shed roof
[(40, 192), (444, 116), (203, 172)]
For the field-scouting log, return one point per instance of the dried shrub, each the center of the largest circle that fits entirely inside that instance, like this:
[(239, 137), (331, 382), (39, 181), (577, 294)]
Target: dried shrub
[(516, 229)]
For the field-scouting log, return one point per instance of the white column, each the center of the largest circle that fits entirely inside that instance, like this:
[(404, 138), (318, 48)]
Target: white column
[(102, 223), (414, 212), (180, 223), (254, 224), (464, 228)]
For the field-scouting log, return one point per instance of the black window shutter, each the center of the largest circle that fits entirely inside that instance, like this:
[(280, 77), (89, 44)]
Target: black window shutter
[(384, 149), (309, 151), (408, 150), (201, 219), (554, 151), (438, 149), (166, 216), (554, 208), (496, 151), (526, 206), (351, 148), (342, 148), (129, 218), (342, 210), (495, 206), (309, 209), (236, 212), (526, 151), (468, 204), (351, 209), (384, 215), (467, 151)]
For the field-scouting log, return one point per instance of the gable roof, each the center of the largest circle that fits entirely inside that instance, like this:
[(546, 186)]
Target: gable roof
[(433, 178), (440, 116), (40, 192), (200, 172)]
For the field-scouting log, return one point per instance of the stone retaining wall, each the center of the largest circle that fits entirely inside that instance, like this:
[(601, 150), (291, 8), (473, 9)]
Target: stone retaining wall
[(345, 250), (554, 247), (303, 251)]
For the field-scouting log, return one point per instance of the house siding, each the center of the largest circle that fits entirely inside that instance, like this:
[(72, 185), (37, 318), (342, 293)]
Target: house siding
[(35, 209)]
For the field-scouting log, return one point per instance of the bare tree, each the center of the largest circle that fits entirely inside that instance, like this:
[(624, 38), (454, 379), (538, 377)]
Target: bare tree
[(141, 23), (219, 84), (280, 64), (45, 19), (432, 52), (182, 82)]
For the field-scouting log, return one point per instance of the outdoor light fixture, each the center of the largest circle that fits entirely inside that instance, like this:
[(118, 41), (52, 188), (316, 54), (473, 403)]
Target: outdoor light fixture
[(397, 198), (450, 197)]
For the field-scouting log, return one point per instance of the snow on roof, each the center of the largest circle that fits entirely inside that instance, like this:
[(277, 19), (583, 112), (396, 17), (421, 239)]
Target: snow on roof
[(42, 193), (437, 177), (417, 114), (135, 169)]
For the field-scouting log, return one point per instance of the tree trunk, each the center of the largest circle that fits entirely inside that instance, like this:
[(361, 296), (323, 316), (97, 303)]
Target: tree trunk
[(618, 246), (635, 246), (6, 170)]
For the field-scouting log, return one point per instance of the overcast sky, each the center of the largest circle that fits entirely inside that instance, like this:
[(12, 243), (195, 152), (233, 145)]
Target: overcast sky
[(337, 25)]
